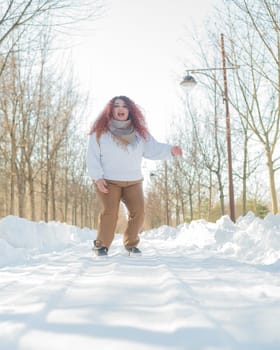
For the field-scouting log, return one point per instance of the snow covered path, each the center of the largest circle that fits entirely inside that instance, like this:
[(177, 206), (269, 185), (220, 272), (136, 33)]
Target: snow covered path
[(167, 299)]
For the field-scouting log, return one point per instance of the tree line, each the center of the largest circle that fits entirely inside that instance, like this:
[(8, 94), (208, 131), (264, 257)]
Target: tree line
[(42, 168), (198, 185), (42, 148)]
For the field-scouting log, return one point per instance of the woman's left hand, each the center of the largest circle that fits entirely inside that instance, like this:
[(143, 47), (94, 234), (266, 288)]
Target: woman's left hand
[(176, 151)]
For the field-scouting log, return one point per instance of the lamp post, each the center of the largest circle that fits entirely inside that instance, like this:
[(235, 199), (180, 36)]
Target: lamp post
[(189, 82)]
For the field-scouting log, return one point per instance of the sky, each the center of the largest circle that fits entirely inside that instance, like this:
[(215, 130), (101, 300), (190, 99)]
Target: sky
[(198, 286), (138, 48)]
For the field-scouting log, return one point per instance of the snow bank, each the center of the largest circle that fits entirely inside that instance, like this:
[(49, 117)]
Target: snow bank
[(250, 239), (20, 237), (164, 233)]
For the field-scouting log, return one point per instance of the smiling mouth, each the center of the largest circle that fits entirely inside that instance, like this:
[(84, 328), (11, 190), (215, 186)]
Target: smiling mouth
[(121, 114)]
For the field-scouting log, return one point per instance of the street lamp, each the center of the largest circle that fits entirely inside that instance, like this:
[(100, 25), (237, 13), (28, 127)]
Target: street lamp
[(189, 82)]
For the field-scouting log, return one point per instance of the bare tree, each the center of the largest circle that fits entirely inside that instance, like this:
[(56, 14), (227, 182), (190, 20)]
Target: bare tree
[(37, 111), (22, 21), (257, 47)]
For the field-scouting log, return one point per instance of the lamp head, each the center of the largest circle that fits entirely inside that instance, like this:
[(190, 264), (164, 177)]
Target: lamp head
[(188, 82)]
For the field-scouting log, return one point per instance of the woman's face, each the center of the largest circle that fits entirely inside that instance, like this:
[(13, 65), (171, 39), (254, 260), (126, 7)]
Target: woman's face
[(120, 110)]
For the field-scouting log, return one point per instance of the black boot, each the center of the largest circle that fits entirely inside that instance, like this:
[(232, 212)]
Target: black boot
[(99, 250), (134, 251)]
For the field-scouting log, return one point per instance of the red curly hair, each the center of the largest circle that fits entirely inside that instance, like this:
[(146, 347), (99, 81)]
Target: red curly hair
[(101, 124)]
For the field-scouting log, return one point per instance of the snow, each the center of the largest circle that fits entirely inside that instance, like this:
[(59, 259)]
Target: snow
[(199, 286)]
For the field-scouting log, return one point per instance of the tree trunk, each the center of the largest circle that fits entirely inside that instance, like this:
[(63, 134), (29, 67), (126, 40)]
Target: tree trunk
[(274, 200)]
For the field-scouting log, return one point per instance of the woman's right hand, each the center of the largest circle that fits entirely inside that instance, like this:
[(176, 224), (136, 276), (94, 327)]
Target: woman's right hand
[(102, 185)]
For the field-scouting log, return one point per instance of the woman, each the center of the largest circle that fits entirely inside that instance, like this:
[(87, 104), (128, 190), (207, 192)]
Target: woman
[(118, 140)]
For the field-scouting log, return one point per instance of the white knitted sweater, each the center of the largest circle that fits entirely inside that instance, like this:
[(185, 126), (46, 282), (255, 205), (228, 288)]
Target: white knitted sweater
[(109, 160)]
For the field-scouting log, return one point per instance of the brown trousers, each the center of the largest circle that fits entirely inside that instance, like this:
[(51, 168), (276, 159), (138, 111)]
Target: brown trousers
[(131, 194)]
